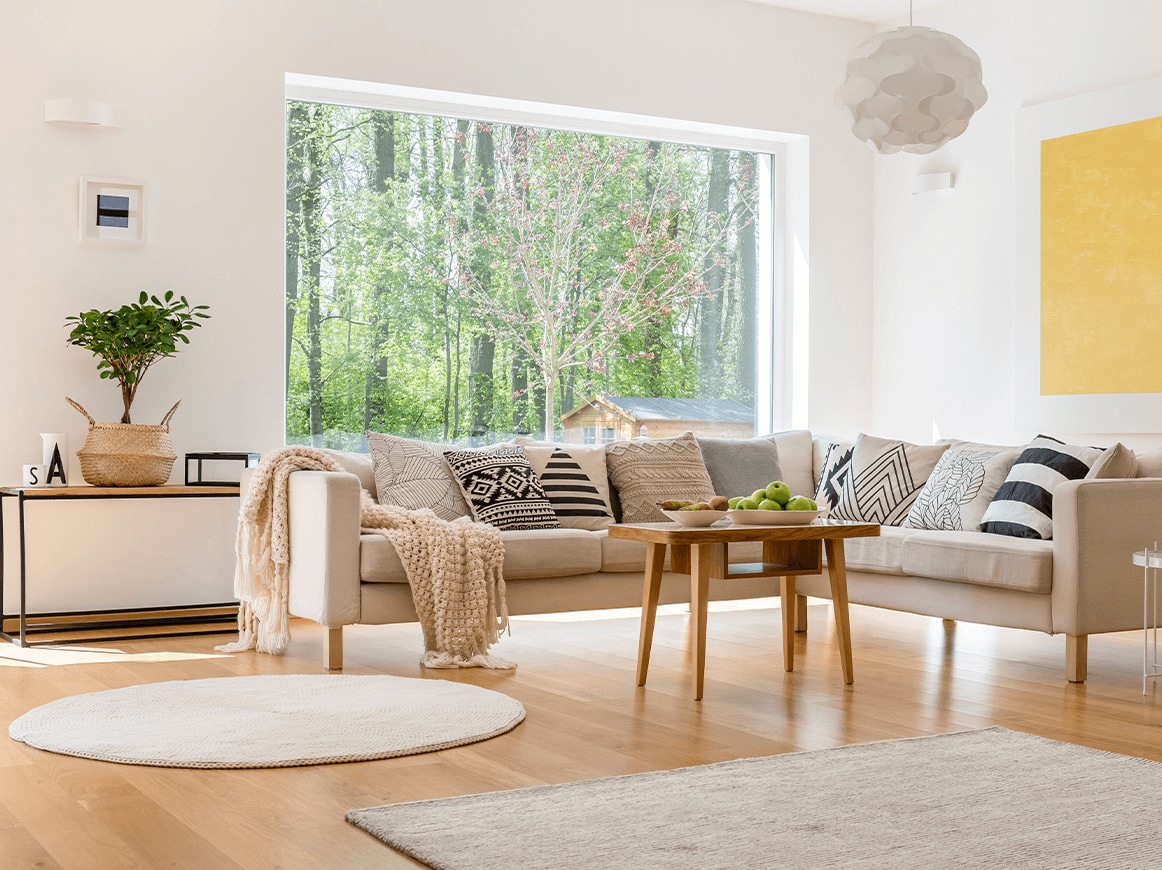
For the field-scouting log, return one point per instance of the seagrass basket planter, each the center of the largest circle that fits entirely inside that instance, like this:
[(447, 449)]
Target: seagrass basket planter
[(126, 454)]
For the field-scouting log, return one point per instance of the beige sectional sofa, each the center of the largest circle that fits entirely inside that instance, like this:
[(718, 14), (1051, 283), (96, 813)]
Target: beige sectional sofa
[(1079, 583)]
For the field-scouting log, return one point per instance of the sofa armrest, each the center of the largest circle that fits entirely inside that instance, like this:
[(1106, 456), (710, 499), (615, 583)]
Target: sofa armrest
[(1097, 527), (324, 547)]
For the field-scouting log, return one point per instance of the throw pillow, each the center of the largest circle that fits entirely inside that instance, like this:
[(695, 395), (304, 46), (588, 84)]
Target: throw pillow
[(1023, 506), (414, 475), (648, 471), (575, 479), (1149, 464), (1117, 462), (960, 488), (502, 488), (885, 479), (739, 466), (836, 464)]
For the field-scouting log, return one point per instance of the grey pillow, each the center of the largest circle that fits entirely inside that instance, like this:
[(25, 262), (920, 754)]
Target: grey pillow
[(739, 466)]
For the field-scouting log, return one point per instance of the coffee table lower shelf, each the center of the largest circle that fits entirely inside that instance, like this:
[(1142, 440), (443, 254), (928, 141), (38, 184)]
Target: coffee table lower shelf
[(97, 626), (788, 551)]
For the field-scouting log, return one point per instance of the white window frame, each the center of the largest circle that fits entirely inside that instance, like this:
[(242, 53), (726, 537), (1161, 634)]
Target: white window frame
[(783, 316)]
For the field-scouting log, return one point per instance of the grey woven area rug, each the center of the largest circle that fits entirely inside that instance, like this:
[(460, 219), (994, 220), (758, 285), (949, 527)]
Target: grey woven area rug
[(281, 720), (987, 799)]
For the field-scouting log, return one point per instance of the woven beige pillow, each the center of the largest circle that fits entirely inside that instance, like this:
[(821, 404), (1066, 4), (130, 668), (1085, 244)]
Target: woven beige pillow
[(648, 471)]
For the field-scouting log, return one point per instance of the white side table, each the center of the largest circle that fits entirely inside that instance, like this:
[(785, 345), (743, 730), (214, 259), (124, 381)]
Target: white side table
[(1151, 561)]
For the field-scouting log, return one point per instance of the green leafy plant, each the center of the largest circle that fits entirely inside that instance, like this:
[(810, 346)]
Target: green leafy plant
[(130, 339)]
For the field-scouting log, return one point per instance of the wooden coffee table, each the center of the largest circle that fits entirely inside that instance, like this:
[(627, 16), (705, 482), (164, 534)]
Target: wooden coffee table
[(788, 551)]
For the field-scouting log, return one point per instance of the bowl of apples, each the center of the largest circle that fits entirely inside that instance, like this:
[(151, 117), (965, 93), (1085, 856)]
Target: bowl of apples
[(773, 505), (696, 514)]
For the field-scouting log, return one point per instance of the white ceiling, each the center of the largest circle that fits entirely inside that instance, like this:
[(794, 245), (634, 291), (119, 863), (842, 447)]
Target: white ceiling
[(875, 11)]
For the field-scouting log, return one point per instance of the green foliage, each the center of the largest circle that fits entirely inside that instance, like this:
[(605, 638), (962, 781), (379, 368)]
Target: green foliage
[(463, 281), (128, 340)]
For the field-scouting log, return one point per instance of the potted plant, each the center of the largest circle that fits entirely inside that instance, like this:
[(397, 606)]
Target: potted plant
[(127, 341)]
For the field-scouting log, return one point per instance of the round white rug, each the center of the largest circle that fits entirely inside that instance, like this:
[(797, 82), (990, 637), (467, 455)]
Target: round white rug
[(269, 721)]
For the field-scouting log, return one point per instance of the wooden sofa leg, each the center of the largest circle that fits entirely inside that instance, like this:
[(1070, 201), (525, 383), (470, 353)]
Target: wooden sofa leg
[(801, 613), (1076, 655), (333, 649)]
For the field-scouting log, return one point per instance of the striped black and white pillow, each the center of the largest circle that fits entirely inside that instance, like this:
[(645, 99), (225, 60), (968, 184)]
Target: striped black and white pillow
[(1023, 506), (575, 479)]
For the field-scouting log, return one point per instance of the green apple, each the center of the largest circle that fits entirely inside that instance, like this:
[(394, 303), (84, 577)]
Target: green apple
[(778, 491), (768, 504), (759, 494), (801, 503), (733, 503), (748, 504)]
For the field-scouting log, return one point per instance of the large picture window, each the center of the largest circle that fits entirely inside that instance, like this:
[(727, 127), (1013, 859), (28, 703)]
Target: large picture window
[(465, 281)]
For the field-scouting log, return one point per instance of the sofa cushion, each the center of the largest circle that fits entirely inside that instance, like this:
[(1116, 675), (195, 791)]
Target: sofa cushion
[(359, 464), (575, 479), (414, 475), (738, 466), (885, 479), (983, 560), (879, 555), (1149, 463), (960, 487), (527, 555), (648, 471), (1023, 506), (502, 489), (795, 460), (834, 465)]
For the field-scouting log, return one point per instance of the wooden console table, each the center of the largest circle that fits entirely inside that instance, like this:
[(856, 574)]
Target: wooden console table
[(788, 551), (209, 618)]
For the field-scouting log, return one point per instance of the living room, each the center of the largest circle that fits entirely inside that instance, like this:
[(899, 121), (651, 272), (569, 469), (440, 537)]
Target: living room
[(913, 333)]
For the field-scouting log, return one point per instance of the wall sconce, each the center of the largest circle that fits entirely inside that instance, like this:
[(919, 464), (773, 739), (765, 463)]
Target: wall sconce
[(84, 114)]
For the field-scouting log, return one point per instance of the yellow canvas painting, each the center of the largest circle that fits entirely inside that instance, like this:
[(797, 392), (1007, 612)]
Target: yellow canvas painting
[(1101, 261)]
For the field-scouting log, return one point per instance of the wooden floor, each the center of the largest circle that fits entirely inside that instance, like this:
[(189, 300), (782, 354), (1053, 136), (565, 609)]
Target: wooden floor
[(913, 676)]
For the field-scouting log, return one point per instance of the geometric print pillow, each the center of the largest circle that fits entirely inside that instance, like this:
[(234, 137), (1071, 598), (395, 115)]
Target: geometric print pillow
[(1023, 506), (414, 475), (884, 480), (502, 488), (836, 464), (575, 479), (960, 488)]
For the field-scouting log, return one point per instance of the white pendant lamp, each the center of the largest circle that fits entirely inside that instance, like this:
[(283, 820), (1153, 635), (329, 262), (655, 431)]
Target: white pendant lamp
[(912, 89)]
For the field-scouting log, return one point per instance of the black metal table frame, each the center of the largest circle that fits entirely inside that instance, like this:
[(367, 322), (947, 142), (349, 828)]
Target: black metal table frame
[(21, 638)]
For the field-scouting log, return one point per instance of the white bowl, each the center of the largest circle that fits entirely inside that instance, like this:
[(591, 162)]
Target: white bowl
[(696, 519), (774, 518)]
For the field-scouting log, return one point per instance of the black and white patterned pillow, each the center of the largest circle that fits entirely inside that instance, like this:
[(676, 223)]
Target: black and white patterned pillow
[(961, 487), (836, 464), (1023, 506), (575, 479), (502, 489), (885, 479), (414, 475)]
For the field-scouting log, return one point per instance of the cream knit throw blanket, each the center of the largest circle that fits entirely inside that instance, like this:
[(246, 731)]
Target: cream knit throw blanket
[(454, 568)]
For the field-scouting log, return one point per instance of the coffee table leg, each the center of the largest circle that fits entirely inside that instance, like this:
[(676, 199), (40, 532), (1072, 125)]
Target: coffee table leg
[(655, 558), (838, 574), (707, 560), (787, 604)]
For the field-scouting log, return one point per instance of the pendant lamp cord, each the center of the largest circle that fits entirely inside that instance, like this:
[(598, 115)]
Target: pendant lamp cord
[(909, 13)]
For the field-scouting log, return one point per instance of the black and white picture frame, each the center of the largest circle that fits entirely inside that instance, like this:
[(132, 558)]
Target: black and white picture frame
[(112, 211)]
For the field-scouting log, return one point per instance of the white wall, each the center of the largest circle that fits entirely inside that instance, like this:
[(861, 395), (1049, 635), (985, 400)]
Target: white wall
[(202, 84), (945, 263)]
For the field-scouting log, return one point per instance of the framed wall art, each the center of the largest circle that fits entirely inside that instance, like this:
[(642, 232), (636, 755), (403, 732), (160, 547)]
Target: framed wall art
[(112, 211), (1089, 266)]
